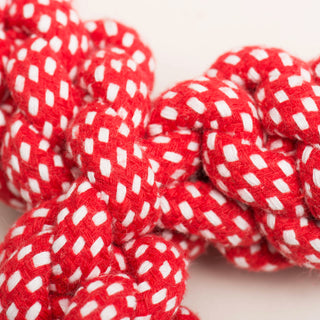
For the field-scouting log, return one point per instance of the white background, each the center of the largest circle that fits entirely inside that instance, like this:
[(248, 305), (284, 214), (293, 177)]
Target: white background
[(186, 36)]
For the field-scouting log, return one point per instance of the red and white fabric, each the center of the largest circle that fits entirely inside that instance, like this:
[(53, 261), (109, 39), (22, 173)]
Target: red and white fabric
[(256, 115), (121, 193), (75, 105)]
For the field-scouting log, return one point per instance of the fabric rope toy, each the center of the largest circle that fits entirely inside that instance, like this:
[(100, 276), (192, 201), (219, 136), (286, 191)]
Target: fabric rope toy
[(75, 107), (121, 196), (255, 114)]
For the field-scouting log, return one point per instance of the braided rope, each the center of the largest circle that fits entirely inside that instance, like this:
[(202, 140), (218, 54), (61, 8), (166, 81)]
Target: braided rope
[(114, 214), (76, 102), (255, 116)]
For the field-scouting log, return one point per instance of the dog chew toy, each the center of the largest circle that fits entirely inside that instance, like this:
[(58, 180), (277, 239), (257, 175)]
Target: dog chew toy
[(119, 193), (73, 118)]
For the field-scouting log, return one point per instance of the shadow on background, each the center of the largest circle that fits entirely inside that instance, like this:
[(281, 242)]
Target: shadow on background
[(218, 290)]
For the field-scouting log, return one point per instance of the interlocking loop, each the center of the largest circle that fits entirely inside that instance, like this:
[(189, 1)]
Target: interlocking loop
[(255, 114), (120, 195), (75, 105)]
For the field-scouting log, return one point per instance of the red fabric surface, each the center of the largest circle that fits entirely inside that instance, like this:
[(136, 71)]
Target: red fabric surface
[(121, 193)]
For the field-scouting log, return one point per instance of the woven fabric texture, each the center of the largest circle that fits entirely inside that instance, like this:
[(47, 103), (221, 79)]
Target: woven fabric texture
[(121, 193)]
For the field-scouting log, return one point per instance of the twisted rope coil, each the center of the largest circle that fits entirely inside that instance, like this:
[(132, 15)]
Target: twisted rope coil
[(75, 107), (255, 112), (114, 215)]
